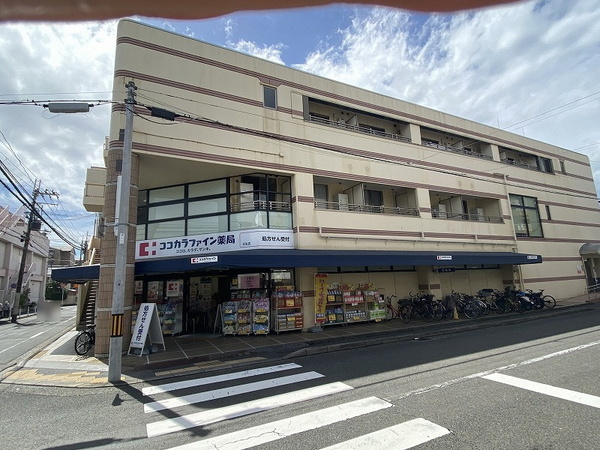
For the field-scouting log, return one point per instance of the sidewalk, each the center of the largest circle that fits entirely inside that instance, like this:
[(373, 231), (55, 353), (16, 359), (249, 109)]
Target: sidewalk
[(58, 365)]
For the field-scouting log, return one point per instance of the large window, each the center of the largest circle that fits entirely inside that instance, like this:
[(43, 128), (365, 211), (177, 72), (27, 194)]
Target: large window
[(526, 216), (239, 203)]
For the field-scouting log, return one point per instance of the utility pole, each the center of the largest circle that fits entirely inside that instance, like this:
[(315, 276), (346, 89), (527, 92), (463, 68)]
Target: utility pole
[(115, 354), (26, 238)]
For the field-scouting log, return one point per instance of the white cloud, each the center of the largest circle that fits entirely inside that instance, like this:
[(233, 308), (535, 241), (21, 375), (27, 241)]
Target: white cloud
[(269, 52), (55, 62), (497, 66)]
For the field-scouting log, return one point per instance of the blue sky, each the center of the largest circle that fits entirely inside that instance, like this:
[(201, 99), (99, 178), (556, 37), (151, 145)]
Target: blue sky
[(530, 67)]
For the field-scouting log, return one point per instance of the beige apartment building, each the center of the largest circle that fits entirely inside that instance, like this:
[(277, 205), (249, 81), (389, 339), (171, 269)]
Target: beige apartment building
[(254, 182)]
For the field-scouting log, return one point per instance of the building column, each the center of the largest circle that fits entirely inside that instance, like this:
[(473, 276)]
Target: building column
[(108, 248)]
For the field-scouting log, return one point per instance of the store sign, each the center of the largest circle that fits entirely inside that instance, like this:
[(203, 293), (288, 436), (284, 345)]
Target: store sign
[(444, 257), (214, 243), (204, 259), (249, 281), (147, 327)]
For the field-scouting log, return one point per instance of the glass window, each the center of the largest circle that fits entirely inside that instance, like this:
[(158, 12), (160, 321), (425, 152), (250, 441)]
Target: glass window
[(166, 194), (270, 96), (140, 232), (534, 224), (165, 212), (248, 220), (526, 216), (209, 188), (207, 225), (166, 229), (321, 195), (373, 198), (209, 206), (281, 220)]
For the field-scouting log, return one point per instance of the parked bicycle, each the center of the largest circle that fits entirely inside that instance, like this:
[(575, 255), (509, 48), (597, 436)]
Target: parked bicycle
[(419, 306), (400, 311), (540, 300), (85, 340)]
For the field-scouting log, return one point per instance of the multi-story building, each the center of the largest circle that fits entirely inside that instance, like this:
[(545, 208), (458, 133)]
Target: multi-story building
[(250, 177), (13, 227)]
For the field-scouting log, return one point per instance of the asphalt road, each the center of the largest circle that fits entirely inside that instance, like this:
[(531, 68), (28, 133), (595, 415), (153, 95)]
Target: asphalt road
[(30, 333), (532, 385)]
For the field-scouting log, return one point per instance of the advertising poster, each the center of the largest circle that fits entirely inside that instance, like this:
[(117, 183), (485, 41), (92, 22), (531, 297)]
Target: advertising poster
[(320, 297)]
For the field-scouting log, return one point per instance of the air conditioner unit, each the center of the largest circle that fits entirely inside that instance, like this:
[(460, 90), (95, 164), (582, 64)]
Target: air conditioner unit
[(342, 201)]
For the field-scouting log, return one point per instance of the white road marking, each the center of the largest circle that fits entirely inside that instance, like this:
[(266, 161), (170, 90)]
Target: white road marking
[(399, 437), (454, 381), (216, 379), (229, 412), (546, 389), (268, 432), (229, 391)]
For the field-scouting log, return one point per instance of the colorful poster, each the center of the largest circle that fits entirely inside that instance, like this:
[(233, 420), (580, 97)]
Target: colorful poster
[(320, 297)]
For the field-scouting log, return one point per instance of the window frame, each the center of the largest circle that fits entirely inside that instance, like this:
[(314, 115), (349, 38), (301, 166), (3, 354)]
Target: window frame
[(525, 208), (269, 89)]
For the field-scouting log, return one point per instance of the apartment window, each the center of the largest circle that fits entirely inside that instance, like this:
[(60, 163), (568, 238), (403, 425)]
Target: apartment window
[(373, 201), (373, 198), (526, 216), (269, 97), (548, 216), (545, 165), (321, 195)]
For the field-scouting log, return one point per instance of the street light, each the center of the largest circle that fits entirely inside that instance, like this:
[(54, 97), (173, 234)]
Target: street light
[(68, 107)]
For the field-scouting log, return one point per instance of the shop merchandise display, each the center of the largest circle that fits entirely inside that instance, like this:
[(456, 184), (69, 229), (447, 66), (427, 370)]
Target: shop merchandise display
[(345, 304), (247, 312), (287, 309)]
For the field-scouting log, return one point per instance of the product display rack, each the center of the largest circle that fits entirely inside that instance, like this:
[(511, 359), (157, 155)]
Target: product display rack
[(247, 312), (353, 306), (287, 310), (375, 303)]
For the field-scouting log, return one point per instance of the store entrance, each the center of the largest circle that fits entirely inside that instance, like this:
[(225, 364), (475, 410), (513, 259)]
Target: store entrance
[(205, 293)]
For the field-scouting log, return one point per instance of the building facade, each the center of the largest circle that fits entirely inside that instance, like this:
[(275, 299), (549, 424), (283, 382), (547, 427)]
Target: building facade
[(252, 179), (13, 226)]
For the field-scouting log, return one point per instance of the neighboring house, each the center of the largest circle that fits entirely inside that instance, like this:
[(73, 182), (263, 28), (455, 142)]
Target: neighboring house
[(271, 182), (61, 257), (13, 227)]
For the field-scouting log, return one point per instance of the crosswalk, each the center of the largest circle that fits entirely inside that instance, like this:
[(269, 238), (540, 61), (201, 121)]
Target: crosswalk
[(401, 436)]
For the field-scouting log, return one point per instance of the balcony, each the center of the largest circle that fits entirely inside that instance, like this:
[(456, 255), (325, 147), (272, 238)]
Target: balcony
[(437, 214), (357, 128), (449, 148), (260, 205), (389, 210)]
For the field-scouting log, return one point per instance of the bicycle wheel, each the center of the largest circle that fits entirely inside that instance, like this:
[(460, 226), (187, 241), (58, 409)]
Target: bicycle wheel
[(427, 313), (83, 343), (549, 301), (405, 313), (471, 310), (484, 307), (438, 311), (389, 313)]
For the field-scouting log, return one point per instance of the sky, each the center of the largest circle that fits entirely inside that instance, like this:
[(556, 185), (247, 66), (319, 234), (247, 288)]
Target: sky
[(530, 68)]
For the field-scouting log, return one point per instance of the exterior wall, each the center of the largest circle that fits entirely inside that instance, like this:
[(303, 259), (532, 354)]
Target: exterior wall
[(12, 227), (224, 130)]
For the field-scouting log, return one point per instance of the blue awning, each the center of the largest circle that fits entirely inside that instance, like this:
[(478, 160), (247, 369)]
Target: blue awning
[(281, 259)]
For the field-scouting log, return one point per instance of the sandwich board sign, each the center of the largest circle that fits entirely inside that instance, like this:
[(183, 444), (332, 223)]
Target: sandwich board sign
[(147, 325)]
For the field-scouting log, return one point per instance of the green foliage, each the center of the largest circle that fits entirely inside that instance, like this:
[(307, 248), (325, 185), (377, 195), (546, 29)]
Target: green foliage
[(24, 298), (54, 291)]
